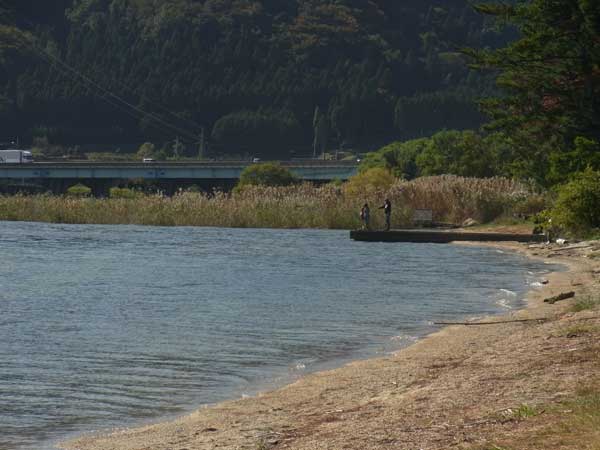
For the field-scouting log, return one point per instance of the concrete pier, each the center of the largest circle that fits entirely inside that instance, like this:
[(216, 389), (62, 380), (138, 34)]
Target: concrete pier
[(442, 236)]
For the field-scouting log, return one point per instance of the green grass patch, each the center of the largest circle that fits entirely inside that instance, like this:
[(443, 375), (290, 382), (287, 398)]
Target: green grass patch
[(586, 303), (582, 418), (579, 330), (572, 424), (523, 412)]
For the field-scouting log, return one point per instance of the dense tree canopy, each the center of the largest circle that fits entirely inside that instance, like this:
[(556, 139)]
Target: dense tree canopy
[(545, 117), (464, 153), (550, 80), (118, 71)]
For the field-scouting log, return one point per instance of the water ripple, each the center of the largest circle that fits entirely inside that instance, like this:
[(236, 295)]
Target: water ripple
[(104, 326)]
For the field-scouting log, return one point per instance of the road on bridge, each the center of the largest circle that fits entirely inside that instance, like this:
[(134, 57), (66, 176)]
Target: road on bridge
[(310, 170)]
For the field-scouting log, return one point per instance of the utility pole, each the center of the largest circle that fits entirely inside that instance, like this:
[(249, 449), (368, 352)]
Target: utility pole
[(316, 119), (201, 148), (177, 148)]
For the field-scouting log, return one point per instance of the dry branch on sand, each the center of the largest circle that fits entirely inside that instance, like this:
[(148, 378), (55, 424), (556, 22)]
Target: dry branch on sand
[(559, 297)]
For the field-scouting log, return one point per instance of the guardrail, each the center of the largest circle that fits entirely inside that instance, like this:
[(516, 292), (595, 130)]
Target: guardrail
[(313, 170), (303, 163)]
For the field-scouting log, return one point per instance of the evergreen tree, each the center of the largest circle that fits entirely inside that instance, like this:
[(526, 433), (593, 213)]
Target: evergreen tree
[(550, 78)]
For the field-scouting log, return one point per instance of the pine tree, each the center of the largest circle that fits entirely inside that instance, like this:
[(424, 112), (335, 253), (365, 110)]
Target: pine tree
[(551, 75)]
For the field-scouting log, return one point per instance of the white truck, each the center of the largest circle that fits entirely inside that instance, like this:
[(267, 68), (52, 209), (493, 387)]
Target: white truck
[(15, 157)]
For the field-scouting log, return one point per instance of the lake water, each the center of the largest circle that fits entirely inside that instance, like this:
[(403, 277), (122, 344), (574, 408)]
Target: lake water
[(119, 325)]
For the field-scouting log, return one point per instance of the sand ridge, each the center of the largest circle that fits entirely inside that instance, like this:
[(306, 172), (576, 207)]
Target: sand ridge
[(456, 388)]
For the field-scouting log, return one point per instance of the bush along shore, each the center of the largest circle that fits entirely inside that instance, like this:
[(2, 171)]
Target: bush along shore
[(333, 206)]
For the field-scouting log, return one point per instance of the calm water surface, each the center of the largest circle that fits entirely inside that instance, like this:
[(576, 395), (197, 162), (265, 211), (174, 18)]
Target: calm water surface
[(103, 326)]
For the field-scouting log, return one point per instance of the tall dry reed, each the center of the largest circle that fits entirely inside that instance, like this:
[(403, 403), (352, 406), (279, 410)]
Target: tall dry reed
[(452, 199)]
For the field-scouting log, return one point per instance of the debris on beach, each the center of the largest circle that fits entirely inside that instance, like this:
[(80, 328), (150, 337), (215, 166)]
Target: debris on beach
[(559, 297)]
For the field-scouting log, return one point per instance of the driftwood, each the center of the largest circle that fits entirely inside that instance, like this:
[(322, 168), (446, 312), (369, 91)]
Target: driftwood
[(559, 297), (541, 319)]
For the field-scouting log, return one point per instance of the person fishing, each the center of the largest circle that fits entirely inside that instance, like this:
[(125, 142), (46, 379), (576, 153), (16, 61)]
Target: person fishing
[(365, 216), (387, 210)]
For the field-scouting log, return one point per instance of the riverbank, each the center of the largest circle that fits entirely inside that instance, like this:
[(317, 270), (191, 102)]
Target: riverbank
[(512, 385)]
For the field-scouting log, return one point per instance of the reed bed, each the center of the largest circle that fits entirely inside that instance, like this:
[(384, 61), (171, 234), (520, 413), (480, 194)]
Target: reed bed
[(452, 199)]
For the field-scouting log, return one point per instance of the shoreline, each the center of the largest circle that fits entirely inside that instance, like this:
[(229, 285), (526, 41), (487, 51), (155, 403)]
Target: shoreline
[(425, 395)]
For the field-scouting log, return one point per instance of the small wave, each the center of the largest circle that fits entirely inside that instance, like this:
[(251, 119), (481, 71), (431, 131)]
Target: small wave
[(509, 292), (474, 318), (404, 339), (504, 303)]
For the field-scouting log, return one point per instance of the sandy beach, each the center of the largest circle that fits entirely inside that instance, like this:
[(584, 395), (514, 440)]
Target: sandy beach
[(516, 384)]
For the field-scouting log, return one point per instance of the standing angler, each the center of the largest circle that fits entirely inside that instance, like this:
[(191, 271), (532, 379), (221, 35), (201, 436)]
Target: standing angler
[(365, 216), (387, 210)]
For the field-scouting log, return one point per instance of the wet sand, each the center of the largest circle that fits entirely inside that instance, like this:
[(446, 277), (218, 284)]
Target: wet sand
[(457, 388)]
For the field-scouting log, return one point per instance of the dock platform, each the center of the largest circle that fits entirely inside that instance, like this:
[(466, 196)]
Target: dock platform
[(441, 236)]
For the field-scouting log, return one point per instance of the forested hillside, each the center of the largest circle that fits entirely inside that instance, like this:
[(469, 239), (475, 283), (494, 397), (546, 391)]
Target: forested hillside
[(260, 76)]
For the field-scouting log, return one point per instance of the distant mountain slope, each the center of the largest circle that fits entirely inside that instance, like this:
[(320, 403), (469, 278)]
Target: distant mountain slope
[(259, 75)]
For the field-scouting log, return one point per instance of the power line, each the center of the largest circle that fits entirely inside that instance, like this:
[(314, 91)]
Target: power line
[(155, 103), (66, 69), (114, 96), (109, 101)]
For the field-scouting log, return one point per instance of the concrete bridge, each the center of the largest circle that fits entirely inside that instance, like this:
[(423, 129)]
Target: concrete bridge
[(58, 176)]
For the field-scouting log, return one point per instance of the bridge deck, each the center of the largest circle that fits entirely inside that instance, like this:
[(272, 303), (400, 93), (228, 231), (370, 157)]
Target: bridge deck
[(309, 170)]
